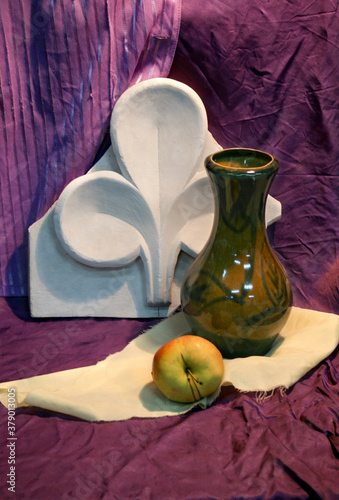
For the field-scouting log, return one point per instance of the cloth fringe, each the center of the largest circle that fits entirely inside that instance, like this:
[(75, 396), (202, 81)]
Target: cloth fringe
[(262, 396)]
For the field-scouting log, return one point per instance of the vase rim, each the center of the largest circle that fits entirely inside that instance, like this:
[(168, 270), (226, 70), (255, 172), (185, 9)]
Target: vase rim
[(268, 162)]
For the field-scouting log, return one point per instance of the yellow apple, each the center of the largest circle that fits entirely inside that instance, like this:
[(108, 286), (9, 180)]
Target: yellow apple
[(188, 368)]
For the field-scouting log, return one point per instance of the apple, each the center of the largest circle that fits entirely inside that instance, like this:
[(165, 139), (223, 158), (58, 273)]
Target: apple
[(188, 368)]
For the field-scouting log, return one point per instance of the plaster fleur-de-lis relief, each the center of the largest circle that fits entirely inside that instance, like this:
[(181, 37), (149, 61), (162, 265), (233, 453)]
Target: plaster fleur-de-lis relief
[(116, 239)]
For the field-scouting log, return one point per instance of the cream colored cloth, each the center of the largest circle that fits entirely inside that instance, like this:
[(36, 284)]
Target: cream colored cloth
[(121, 386)]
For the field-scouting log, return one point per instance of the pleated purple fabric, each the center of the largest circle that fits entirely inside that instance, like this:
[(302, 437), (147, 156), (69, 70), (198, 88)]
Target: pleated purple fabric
[(63, 65)]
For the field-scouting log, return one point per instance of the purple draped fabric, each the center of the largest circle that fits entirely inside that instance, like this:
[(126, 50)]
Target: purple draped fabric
[(286, 447), (63, 64), (268, 75)]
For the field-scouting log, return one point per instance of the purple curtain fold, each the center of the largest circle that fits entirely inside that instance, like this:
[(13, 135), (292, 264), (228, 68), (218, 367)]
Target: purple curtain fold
[(268, 74), (63, 65)]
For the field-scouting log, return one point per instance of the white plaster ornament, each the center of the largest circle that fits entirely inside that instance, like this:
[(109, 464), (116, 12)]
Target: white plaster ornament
[(119, 240)]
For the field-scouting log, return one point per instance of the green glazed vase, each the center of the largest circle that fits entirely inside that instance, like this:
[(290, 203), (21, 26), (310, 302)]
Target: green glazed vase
[(236, 294)]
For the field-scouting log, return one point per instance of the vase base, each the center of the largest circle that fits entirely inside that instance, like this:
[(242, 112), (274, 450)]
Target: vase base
[(232, 347)]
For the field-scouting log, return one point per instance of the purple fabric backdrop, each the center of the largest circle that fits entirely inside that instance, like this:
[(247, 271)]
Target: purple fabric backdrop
[(268, 75)]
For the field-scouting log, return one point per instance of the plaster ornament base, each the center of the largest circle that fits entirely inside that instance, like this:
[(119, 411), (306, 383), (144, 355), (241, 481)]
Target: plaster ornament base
[(119, 240)]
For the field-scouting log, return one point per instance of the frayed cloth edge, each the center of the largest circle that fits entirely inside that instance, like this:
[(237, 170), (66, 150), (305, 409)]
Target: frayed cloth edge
[(262, 396)]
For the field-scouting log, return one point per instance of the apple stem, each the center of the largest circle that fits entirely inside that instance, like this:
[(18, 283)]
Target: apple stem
[(191, 378)]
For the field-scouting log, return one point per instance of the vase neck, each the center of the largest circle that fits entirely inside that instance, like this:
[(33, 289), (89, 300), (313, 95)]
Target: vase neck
[(240, 180), (240, 201)]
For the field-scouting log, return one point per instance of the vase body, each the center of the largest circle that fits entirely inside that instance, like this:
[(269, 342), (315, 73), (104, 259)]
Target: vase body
[(236, 294)]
